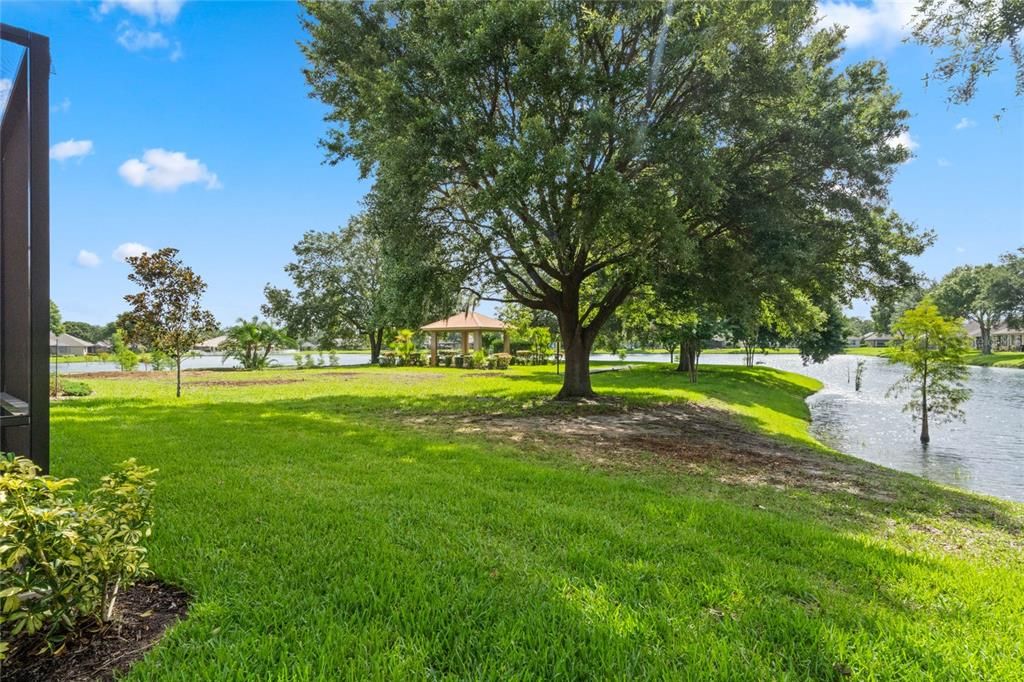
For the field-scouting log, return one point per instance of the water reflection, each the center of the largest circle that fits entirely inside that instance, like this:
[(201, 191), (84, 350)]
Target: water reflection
[(985, 453)]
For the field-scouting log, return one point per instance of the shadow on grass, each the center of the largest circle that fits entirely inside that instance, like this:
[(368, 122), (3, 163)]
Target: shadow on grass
[(359, 535)]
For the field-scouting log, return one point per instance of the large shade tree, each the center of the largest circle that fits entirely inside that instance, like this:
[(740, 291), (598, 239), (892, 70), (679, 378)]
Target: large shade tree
[(569, 148), (970, 292), (349, 281)]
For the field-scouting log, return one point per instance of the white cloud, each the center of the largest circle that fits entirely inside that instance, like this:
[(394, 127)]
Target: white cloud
[(5, 91), (905, 140), (164, 170), (960, 249), (944, 163), (129, 249), (176, 53), (87, 259), (134, 40), (64, 105), (164, 11), (883, 21), (964, 123), (69, 149)]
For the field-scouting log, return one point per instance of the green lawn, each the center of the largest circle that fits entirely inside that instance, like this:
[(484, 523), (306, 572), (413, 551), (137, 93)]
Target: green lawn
[(999, 359), (338, 525)]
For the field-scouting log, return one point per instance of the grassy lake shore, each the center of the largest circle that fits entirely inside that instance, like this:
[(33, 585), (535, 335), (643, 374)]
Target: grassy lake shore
[(354, 523)]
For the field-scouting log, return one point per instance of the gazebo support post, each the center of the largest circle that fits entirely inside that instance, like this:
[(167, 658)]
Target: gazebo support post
[(433, 349), (478, 340), (504, 338), (465, 343)]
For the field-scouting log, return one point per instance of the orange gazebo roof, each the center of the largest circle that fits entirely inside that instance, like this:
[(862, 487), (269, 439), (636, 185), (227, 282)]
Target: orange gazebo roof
[(465, 322)]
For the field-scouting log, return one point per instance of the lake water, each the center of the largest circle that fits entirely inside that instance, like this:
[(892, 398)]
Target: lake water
[(985, 453)]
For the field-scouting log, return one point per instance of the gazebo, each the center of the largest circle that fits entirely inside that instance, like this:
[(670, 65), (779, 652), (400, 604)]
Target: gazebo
[(464, 323)]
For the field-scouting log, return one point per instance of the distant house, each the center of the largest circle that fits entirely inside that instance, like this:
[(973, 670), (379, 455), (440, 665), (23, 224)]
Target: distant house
[(65, 344), (876, 340), (210, 345), (101, 347), (1003, 337), (853, 341)]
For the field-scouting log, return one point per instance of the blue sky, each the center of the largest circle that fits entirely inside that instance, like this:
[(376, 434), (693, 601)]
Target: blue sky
[(187, 124)]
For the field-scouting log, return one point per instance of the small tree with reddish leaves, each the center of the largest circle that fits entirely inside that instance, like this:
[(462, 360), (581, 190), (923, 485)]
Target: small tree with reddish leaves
[(166, 314)]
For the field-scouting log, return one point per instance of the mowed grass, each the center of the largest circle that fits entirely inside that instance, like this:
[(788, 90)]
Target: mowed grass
[(325, 536), (998, 359)]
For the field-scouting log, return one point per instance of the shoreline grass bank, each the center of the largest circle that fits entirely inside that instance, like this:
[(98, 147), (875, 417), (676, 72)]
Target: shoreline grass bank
[(370, 523)]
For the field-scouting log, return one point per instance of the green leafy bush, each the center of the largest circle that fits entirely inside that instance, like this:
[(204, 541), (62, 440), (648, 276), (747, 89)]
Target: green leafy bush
[(65, 560), (126, 358), (500, 360), (387, 359), (70, 387)]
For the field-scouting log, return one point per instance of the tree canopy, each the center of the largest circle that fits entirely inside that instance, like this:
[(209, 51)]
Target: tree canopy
[(968, 291), (166, 314), (971, 35), (932, 348), (346, 282), (566, 151)]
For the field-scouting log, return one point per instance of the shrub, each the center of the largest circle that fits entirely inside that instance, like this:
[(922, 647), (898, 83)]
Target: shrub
[(459, 360), (333, 359), (160, 360), (69, 387), (404, 345), (65, 560), (310, 361), (501, 360), (387, 359), (126, 358)]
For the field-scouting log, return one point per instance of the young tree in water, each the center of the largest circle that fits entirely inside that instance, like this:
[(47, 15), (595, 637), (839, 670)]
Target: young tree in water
[(166, 314), (932, 348), (564, 147)]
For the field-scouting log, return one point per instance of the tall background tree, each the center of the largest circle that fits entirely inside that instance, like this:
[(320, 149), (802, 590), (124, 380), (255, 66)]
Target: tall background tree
[(166, 315), (347, 283), (567, 149), (969, 292), (932, 348), (1008, 288)]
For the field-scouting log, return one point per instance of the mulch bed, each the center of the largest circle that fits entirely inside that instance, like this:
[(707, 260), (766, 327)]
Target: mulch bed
[(142, 614)]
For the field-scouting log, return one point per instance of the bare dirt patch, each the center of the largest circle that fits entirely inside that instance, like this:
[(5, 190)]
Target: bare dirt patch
[(689, 437), (255, 382), (143, 613)]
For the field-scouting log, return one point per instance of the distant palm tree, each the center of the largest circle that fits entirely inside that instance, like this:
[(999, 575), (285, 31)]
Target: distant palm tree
[(251, 342)]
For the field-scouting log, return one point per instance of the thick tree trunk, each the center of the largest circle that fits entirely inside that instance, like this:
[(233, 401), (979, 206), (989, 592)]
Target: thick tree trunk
[(576, 377), (376, 341), (177, 362), (986, 339)]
